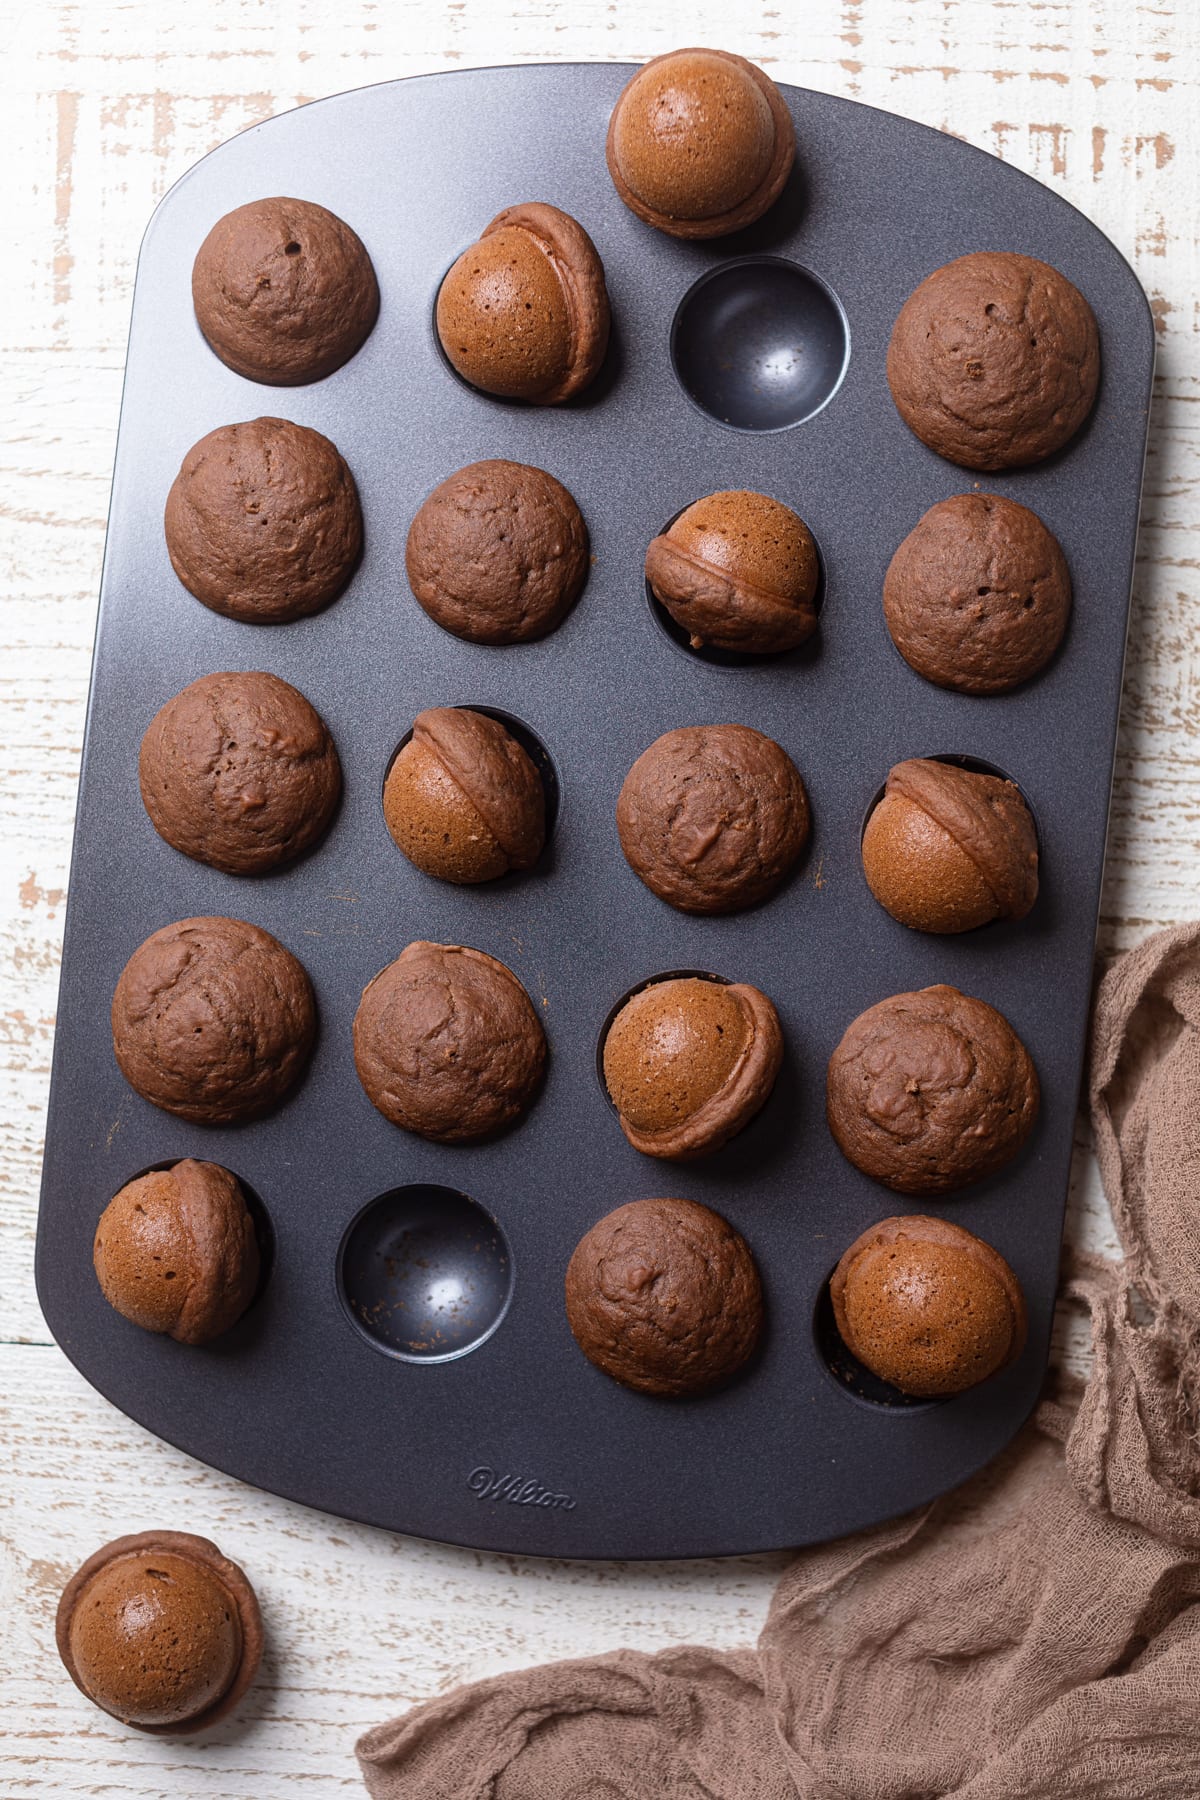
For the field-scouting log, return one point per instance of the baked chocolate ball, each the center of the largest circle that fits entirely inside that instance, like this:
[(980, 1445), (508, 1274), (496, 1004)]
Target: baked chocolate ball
[(948, 849), (463, 799), (713, 817), (213, 1020), (284, 291), (263, 522), (994, 360), (700, 143), (447, 1044), (664, 1297), (738, 570), (928, 1306), (162, 1631), (688, 1063), (175, 1252), (240, 772), (524, 312), (978, 595), (498, 553), (930, 1091)]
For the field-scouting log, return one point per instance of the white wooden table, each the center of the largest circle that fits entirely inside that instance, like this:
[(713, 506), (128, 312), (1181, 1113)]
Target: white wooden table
[(106, 104)]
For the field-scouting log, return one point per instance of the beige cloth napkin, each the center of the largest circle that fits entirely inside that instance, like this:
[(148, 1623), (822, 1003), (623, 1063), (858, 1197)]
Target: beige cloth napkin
[(1036, 1633)]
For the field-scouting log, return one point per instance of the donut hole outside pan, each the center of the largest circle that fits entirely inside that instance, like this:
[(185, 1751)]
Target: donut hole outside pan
[(264, 1231), (424, 1273), (975, 765), (712, 654), (534, 749)]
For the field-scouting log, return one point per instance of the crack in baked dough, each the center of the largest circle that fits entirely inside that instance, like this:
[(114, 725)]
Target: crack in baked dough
[(224, 1031), (930, 1090), (447, 1043), (663, 1295)]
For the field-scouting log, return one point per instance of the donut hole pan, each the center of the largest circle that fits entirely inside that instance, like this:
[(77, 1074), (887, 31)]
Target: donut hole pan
[(310, 1403), (760, 344), (425, 1273)]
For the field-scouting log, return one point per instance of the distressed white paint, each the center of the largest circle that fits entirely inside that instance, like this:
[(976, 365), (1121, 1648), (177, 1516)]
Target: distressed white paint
[(105, 105)]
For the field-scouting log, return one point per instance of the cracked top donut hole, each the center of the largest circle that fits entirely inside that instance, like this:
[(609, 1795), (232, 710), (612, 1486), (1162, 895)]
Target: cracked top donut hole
[(284, 291), (930, 1091), (978, 596), (994, 360), (663, 1295), (263, 521), (713, 818), (498, 553)]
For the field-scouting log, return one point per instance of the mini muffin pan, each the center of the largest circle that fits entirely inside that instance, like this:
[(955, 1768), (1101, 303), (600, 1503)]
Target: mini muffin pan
[(409, 1363)]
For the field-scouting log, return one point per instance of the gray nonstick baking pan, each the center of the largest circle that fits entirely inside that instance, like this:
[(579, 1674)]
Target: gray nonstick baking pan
[(408, 1362)]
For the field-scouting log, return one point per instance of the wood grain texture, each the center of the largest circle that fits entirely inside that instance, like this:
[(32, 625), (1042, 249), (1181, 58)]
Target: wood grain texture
[(105, 105)]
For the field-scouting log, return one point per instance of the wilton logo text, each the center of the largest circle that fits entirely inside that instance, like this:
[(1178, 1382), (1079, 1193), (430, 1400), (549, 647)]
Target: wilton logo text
[(518, 1490)]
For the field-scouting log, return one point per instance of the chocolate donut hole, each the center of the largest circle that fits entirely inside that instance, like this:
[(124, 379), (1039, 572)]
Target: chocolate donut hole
[(850, 1376), (592, 385), (974, 765), (735, 659), (260, 1218), (619, 1006), (534, 749)]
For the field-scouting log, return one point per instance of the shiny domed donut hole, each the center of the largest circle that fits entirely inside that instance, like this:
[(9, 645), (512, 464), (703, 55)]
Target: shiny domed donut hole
[(976, 766), (846, 1372), (640, 988), (760, 344), (440, 349), (264, 1231), (711, 653), (530, 743), (595, 390), (424, 1273)]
